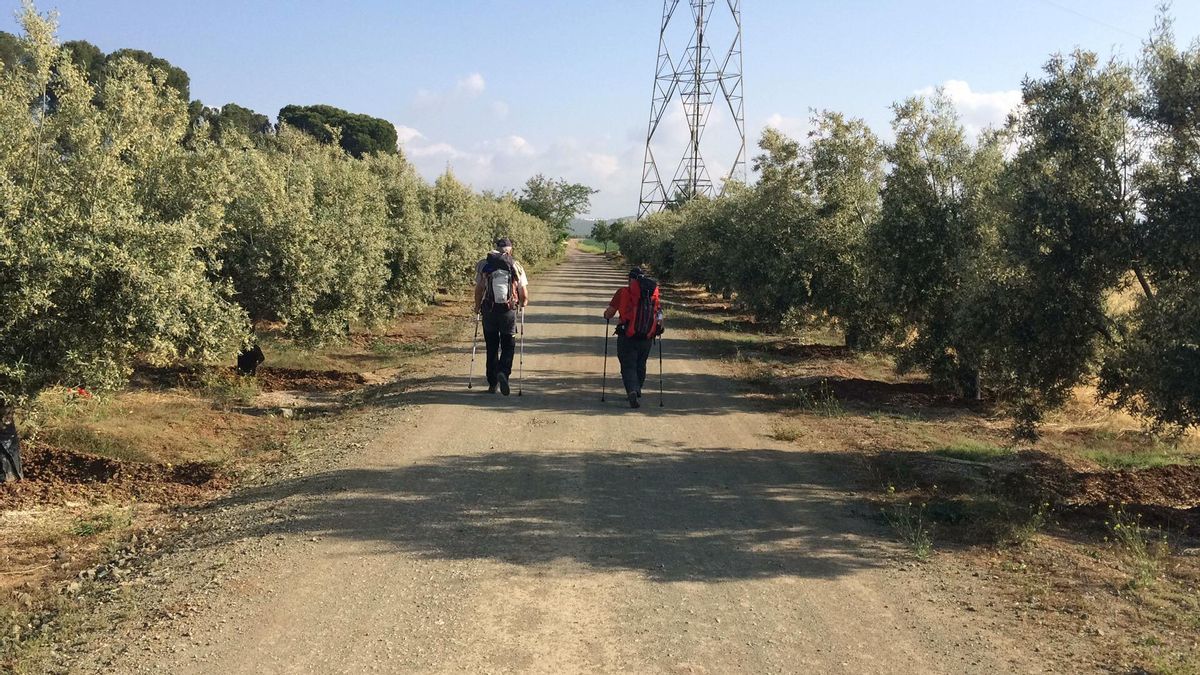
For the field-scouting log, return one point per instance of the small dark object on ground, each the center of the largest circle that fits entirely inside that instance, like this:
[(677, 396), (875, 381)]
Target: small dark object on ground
[(10, 450), (248, 360)]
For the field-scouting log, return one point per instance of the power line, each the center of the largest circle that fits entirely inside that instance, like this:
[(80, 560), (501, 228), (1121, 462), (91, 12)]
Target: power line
[(1093, 19)]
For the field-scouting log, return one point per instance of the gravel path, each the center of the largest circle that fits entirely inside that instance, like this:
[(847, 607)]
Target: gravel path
[(555, 533)]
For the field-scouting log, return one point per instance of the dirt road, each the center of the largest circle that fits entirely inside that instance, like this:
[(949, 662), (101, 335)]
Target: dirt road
[(553, 533)]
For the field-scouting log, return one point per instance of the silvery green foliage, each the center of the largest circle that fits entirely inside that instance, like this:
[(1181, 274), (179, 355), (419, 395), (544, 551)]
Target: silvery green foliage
[(414, 248), (1071, 236), (124, 237), (461, 232), (308, 239), (651, 242), (533, 241), (1154, 369), (102, 252), (930, 243)]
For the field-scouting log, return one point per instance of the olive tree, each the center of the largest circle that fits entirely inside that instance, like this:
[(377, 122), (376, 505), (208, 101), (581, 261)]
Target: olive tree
[(102, 260), (1154, 370), (1072, 237), (930, 243), (309, 239)]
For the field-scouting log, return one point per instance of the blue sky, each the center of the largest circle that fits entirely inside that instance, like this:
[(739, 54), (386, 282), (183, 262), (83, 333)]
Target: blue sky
[(502, 89)]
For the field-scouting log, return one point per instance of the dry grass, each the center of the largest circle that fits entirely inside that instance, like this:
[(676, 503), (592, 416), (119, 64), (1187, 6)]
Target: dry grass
[(165, 427), (1131, 599), (382, 350)]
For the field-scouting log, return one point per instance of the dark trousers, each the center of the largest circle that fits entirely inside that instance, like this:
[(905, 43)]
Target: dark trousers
[(632, 353), (498, 329)]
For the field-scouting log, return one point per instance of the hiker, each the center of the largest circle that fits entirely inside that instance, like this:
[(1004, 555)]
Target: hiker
[(503, 245), (641, 321), (499, 292)]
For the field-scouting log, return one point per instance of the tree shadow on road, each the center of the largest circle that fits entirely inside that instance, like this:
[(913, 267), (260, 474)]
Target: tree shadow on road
[(570, 393), (673, 515)]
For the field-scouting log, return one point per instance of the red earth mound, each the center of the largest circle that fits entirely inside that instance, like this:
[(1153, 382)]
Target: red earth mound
[(292, 379), (55, 476)]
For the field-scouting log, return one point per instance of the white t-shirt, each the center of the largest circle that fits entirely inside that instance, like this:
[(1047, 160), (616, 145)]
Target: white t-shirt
[(521, 278)]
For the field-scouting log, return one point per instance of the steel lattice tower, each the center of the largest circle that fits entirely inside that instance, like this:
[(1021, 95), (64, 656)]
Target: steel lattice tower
[(697, 79)]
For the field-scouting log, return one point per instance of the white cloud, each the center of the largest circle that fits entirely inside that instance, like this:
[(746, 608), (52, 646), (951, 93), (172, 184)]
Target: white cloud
[(405, 134), (796, 128), (506, 162), (443, 150), (471, 85), (511, 145), (978, 110)]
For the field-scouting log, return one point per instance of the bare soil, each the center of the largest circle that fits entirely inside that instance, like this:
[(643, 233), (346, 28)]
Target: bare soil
[(110, 480), (552, 532), (739, 527), (292, 379), (55, 476)]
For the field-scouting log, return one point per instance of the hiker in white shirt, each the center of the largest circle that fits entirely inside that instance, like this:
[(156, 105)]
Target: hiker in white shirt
[(503, 245)]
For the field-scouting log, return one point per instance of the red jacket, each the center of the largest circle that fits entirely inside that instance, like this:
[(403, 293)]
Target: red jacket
[(625, 301)]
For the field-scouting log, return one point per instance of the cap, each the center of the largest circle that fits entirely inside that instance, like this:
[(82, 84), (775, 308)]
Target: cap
[(636, 273), (504, 242)]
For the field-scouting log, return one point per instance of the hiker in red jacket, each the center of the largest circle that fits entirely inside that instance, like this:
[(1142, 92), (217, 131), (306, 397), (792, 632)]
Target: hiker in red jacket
[(641, 320)]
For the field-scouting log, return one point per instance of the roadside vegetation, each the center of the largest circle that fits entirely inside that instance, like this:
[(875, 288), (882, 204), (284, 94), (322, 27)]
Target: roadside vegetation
[(1091, 531), (594, 246), (1055, 253), (137, 228), (145, 242)]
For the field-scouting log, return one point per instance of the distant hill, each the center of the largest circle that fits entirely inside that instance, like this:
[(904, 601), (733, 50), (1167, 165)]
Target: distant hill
[(582, 227)]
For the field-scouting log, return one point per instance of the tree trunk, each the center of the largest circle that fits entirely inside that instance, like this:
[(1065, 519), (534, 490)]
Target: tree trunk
[(1145, 283), (970, 383), (10, 445)]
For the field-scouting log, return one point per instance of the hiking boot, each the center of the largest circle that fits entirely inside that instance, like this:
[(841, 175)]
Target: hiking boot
[(491, 388), (503, 383), (633, 400)]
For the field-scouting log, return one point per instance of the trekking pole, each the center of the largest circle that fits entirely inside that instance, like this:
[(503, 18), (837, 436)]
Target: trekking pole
[(521, 372), (660, 377), (604, 379), (474, 344)]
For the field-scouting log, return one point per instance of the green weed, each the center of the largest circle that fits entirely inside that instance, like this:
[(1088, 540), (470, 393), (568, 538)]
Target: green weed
[(1025, 523), (1136, 459), (79, 438), (227, 388), (820, 400), (104, 521), (1145, 547), (973, 451), (787, 433), (390, 348), (909, 522)]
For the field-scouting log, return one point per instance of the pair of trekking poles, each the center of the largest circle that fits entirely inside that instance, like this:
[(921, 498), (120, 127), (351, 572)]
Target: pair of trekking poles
[(521, 367), (604, 378), (475, 343)]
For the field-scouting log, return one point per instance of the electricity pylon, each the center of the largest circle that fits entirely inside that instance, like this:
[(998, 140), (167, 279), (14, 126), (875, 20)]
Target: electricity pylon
[(697, 79)]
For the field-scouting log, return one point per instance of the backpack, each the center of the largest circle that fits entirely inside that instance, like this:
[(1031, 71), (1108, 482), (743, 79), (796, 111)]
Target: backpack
[(499, 282), (645, 318)]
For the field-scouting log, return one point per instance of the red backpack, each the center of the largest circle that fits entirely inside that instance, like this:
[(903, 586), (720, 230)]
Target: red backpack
[(644, 323)]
